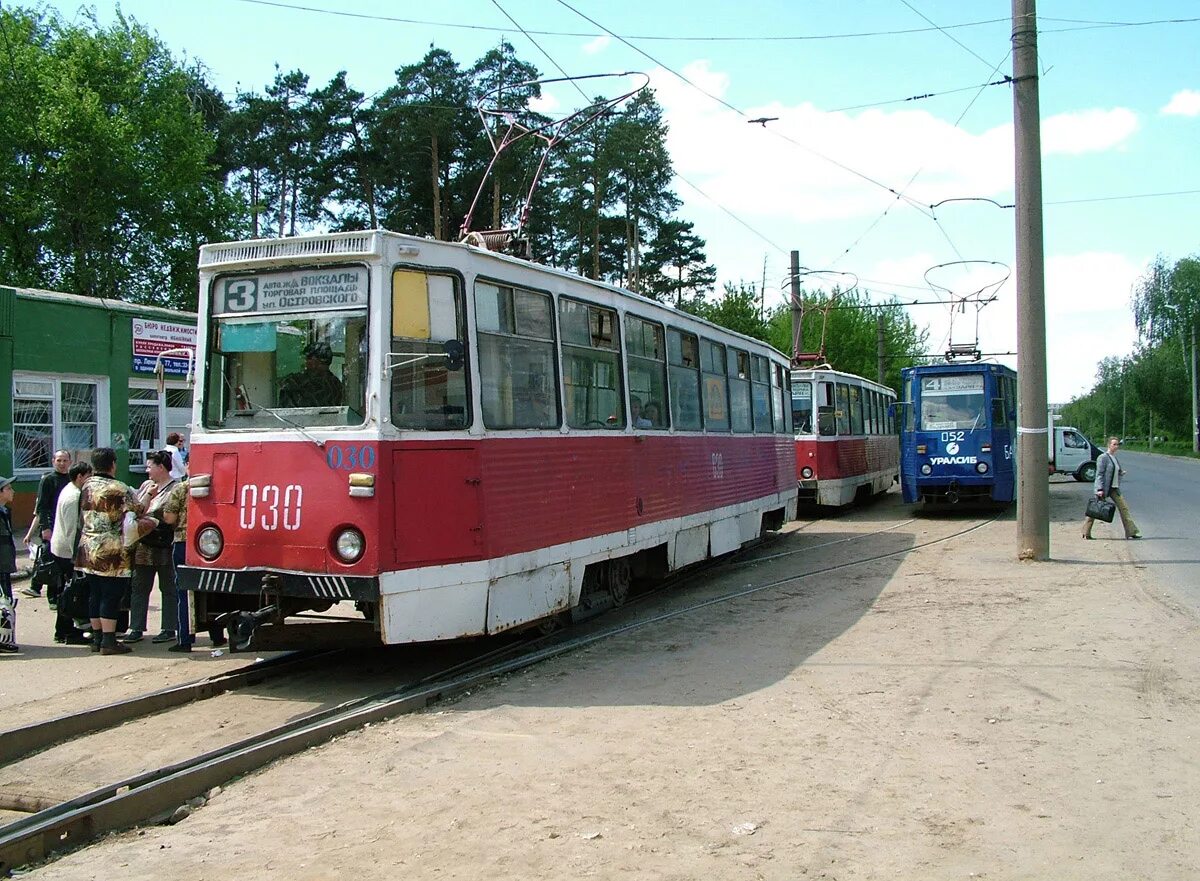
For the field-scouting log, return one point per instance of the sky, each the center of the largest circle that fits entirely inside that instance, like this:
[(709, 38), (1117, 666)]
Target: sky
[(1120, 129)]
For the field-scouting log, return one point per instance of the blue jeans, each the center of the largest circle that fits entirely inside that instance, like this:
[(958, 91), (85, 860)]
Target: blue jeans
[(183, 625)]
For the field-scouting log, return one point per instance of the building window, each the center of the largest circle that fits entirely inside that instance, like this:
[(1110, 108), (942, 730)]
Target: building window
[(152, 416), (51, 413)]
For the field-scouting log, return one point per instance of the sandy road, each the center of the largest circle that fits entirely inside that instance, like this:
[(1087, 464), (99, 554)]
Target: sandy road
[(948, 713)]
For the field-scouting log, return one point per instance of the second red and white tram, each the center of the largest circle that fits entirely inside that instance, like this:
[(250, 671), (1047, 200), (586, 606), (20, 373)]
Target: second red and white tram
[(453, 442), (847, 448)]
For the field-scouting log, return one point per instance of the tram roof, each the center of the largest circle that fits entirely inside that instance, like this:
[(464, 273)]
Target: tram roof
[(806, 374), (368, 244), (970, 367)]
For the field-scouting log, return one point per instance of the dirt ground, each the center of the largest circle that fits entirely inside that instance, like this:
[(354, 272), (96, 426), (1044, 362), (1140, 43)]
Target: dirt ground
[(951, 713)]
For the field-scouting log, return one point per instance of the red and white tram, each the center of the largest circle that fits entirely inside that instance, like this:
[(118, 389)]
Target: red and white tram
[(847, 447), (459, 442)]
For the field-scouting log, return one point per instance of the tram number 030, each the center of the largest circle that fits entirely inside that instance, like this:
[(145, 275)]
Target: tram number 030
[(269, 506)]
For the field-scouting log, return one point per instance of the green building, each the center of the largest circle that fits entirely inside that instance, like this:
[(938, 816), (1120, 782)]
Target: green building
[(82, 371)]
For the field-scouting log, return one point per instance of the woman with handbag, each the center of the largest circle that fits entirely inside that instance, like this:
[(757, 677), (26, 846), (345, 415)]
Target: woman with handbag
[(152, 555), (1108, 486)]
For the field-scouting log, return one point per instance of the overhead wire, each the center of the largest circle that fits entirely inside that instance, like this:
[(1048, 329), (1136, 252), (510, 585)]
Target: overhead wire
[(708, 38), (917, 205)]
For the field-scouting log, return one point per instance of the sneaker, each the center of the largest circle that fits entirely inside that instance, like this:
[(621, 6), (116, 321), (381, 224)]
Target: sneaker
[(74, 639), (30, 592), (131, 636), (165, 636), (8, 649), (180, 647), (117, 649)]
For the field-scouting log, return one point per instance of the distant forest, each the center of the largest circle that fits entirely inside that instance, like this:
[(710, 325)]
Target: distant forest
[(119, 161), (1149, 392)]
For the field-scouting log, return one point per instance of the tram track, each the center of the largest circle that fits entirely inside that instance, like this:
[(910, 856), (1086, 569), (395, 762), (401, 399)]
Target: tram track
[(157, 794)]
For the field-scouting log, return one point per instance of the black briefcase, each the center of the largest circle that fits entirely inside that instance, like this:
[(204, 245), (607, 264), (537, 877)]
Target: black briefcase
[(1101, 509)]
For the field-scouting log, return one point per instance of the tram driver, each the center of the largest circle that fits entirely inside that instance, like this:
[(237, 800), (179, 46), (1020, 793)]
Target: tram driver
[(315, 385)]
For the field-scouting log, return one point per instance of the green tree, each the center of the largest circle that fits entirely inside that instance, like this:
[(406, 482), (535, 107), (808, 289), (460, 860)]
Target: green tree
[(108, 177), (676, 266)]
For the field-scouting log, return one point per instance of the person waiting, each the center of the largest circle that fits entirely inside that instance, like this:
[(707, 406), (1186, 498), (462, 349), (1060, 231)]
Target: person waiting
[(637, 418)]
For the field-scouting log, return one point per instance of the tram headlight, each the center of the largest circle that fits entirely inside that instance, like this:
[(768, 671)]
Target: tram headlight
[(209, 542), (926, 469), (982, 468), (806, 473), (349, 545)]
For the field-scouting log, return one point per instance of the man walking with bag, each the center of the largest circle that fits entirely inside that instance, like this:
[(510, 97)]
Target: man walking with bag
[(1108, 486)]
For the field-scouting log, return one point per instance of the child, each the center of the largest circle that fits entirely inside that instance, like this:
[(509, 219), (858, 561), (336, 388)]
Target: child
[(8, 565)]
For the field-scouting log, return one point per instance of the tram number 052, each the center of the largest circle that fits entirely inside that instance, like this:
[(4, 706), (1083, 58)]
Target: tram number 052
[(269, 506)]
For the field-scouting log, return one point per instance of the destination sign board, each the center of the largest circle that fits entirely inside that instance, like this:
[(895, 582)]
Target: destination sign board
[(300, 290), (971, 382)]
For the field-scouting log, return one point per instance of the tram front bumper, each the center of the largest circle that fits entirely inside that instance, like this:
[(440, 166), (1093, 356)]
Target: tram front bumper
[(332, 588)]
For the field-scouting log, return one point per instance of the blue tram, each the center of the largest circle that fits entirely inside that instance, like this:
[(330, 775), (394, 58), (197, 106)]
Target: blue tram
[(958, 432)]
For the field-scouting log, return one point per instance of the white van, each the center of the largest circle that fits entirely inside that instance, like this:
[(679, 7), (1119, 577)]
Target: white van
[(1072, 453)]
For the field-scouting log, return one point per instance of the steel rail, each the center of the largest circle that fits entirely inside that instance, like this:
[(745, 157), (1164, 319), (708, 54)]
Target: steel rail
[(156, 794), (17, 743)]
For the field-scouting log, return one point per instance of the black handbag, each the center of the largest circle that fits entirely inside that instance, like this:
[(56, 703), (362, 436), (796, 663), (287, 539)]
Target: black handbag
[(1101, 509)]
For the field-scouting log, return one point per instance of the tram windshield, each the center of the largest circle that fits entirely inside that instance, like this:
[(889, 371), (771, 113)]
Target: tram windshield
[(802, 407), (273, 364), (951, 402)]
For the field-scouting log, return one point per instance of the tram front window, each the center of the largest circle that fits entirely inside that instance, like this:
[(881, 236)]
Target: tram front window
[(802, 407), (273, 370), (952, 402)]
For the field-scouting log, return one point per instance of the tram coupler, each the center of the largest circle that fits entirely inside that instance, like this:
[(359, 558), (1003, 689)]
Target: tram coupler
[(241, 626)]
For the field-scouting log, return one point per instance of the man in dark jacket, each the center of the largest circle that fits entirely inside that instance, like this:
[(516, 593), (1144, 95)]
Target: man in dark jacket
[(48, 491)]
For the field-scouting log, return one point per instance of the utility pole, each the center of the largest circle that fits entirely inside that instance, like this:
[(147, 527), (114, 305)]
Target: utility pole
[(762, 293), (1033, 489), (1195, 424), (879, 348), (797, 307)]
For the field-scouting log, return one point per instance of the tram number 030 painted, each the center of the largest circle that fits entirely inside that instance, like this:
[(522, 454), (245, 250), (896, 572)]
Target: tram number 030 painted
[(279, 506), (347, 458)]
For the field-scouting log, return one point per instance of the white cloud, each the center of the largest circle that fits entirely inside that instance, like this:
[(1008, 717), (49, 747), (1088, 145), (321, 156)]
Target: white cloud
[(547, 103), (598, 45), (1183, 103), (1087, 131), (817, 160)]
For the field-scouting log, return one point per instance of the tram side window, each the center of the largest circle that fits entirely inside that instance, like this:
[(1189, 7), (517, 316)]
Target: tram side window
[(843, 409), (760, 390), (591, 365), (646, 354), (683, 358), (779, 396), (856, 409), (427, 311), (516, 357), (826, 410), (716, 392), (739, 391), (868, 411)]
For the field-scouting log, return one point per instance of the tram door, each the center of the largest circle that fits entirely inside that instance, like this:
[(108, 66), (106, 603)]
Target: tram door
[(1004, 432), (437, 505)]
